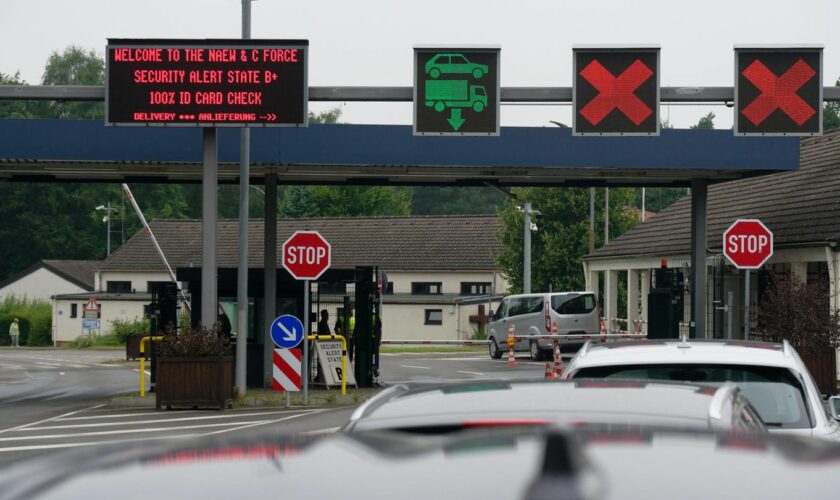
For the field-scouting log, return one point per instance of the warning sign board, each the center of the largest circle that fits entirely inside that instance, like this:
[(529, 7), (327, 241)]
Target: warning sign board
[(91, 309), (329, 364)]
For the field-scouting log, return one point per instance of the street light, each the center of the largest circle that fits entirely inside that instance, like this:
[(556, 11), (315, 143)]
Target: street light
[(107, 220)]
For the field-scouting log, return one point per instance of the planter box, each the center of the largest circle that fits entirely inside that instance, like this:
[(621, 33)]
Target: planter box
[(194, 382)]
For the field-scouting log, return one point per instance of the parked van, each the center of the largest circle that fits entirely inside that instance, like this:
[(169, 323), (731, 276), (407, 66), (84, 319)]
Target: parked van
[(534, 314)]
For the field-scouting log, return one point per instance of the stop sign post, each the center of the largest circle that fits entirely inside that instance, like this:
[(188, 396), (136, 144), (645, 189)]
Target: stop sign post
[(747, 244), (306, 255)]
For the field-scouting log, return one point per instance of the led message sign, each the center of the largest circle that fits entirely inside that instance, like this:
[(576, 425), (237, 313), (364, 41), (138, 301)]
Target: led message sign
[(778, 90), (616, 91), (206, 82), (456, 91)]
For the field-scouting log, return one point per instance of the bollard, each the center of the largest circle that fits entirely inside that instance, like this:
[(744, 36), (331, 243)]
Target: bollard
[(548, 374), (511, 341)]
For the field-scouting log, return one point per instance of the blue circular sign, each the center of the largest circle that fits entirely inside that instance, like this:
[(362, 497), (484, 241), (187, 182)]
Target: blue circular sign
[(286, 331)]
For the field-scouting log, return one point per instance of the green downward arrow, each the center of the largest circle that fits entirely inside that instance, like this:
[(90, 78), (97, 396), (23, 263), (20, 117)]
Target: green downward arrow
[(455, 119)]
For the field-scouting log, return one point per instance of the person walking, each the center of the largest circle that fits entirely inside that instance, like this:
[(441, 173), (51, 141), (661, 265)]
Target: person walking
[(14, 332)]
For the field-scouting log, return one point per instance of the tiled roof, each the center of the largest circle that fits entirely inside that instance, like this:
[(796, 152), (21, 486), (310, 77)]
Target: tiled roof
[(465, 242), (78, 272), (800, 207)]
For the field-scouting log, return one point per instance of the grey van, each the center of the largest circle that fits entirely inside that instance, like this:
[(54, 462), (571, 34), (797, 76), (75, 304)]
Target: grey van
[(534, 314)]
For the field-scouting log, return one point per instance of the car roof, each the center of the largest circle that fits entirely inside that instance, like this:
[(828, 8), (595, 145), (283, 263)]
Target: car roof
[(616, 465), (638, 402), (551, 294), (646, 352)]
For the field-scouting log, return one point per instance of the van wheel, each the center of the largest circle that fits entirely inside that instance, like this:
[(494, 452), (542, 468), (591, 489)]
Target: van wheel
[(535, 351), (495, 353)]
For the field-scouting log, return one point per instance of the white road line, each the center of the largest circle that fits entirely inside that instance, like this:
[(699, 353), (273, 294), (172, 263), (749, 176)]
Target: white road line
[(417, 367), (89, 443), (124, 415), (132, 431), (159, 421), (52, 418), (108, 365), (147, 372), (328, 430), (13, 367), (472, 373), (47, 364), (263, 423)]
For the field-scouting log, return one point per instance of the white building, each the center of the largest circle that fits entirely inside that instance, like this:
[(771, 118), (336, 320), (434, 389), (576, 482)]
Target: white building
[(46, 278), (441, 271)]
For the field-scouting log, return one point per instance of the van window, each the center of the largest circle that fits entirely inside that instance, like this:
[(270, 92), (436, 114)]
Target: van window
[(502, 310), (517, 307), (573, 304), (535, 304)]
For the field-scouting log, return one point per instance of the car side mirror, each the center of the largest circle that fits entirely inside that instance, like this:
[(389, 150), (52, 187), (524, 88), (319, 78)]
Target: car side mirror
[(492, 316), (834, 407)]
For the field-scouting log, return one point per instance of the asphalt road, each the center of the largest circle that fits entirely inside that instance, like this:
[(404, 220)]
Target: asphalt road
[(450, 367)]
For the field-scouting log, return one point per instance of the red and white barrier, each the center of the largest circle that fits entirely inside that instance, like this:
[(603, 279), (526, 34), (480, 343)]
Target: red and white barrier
[(286, 375), (434, 342), (511, 340), (558, 362)]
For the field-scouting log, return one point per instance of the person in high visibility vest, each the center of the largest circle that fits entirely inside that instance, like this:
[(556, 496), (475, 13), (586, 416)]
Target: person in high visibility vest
[(348, 335)]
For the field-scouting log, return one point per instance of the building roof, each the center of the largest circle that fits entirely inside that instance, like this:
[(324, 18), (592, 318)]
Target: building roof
[(801, 208), (464, 242), (78, 272)]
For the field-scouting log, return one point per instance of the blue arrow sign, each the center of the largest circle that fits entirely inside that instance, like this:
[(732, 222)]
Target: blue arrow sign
[(286, 331)]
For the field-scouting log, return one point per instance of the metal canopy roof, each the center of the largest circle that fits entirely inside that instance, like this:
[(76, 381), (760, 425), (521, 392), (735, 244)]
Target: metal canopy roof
[(86, 150)]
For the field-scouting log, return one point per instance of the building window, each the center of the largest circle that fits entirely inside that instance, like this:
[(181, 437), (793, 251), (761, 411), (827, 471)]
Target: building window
[(118, 287), (426, 288), (434, 317), (817, 272), (388, 288), (74, 310), (475, 287)]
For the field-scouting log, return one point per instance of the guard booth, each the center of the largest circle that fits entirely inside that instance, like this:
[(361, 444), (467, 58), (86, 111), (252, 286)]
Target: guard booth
[(338, 291), (665, 303)]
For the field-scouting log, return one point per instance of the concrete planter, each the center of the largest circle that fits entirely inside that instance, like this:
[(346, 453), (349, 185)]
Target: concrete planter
[(194, 382)]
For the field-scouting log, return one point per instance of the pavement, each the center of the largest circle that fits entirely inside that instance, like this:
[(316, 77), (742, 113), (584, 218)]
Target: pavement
[(54, 399)]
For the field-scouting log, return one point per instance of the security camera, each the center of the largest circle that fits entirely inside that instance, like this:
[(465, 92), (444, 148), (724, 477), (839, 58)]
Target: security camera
[(533, 227), (105, 219)]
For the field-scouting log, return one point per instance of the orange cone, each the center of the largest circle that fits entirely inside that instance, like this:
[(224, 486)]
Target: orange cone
[(558, 362), (511, 341), (548, 373)]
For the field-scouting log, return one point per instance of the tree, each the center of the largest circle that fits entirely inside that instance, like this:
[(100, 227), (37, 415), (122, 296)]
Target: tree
[(298, 202), (707, 122), (562, 239), (437, 200), (831, 113), (14, 109), (74, 66)]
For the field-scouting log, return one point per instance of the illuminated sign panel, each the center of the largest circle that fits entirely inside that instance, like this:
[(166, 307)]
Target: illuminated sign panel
[(778, 91), (456, 91), (206, 82), (616, 91)]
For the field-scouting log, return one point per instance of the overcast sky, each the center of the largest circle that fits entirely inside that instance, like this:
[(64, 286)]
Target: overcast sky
[(369, 42)]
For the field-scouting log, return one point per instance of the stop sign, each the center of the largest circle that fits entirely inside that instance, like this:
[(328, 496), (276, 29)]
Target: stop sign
[(748, 243), (306, 255)]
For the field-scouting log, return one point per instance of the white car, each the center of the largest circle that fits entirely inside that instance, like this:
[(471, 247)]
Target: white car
[(772, 376)]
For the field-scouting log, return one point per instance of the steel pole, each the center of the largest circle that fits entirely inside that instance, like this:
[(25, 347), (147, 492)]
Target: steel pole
[(526, 265), (269, 275), (108, 230), (242, 272), (746, 304), (730, 302), (305, 364), (209, 201), (606, 216), (591, 221), (699, 192)]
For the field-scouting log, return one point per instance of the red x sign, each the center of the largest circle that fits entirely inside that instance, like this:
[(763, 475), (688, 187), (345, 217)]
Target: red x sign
[(616, 92), (778, 92)]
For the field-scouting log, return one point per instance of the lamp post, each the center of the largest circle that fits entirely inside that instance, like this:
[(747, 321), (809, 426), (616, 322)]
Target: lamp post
[(107, 220)]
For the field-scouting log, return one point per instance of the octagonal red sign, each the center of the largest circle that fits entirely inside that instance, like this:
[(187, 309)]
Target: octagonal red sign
[(306, 255), (748, 243)]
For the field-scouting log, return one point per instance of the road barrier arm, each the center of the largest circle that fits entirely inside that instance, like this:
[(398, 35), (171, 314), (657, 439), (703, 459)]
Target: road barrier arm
[(343, 357), (143, 362)]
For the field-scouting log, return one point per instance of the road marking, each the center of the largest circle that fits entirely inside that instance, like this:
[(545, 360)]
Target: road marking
[(13, 367), (417, 367), (47, 364), (124, 415), (159, 421), (144, 371), (328, 430), (134, 431), (108, 365), (263, 423), (52, 418), (90, 443), (472, 373)]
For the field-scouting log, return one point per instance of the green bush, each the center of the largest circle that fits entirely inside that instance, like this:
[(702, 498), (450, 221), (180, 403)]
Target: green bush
[(35, 320), (120, 329), (82, 342)]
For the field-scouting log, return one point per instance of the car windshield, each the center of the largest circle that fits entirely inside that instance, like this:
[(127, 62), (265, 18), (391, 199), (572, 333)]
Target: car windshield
[(774, 392)]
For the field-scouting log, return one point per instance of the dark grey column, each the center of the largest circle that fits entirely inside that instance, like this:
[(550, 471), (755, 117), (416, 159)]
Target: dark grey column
[(699, 194), (209, 201), (270, 273)]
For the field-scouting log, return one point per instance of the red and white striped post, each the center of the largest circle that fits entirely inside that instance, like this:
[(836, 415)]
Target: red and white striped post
[(558, 362), (511, 341), (286, 374)]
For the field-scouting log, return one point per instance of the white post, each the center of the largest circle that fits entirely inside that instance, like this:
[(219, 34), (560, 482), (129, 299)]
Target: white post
[(800, 270), (645, 279), (610, 297), (632, 299)]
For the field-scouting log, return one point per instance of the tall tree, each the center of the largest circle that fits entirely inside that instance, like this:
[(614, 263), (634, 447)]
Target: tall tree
[(74, 66), (562, 239), (831, 113), (434, 200), (706, 122)]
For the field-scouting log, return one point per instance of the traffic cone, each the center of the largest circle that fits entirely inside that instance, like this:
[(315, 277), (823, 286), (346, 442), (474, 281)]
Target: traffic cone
[(558, 362), (511, 341), (554, 328), (603, 328), (638, 326), (548, 373)]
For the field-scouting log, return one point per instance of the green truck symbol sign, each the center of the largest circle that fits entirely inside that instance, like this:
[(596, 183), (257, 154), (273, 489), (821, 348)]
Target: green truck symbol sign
[(455, 94)]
